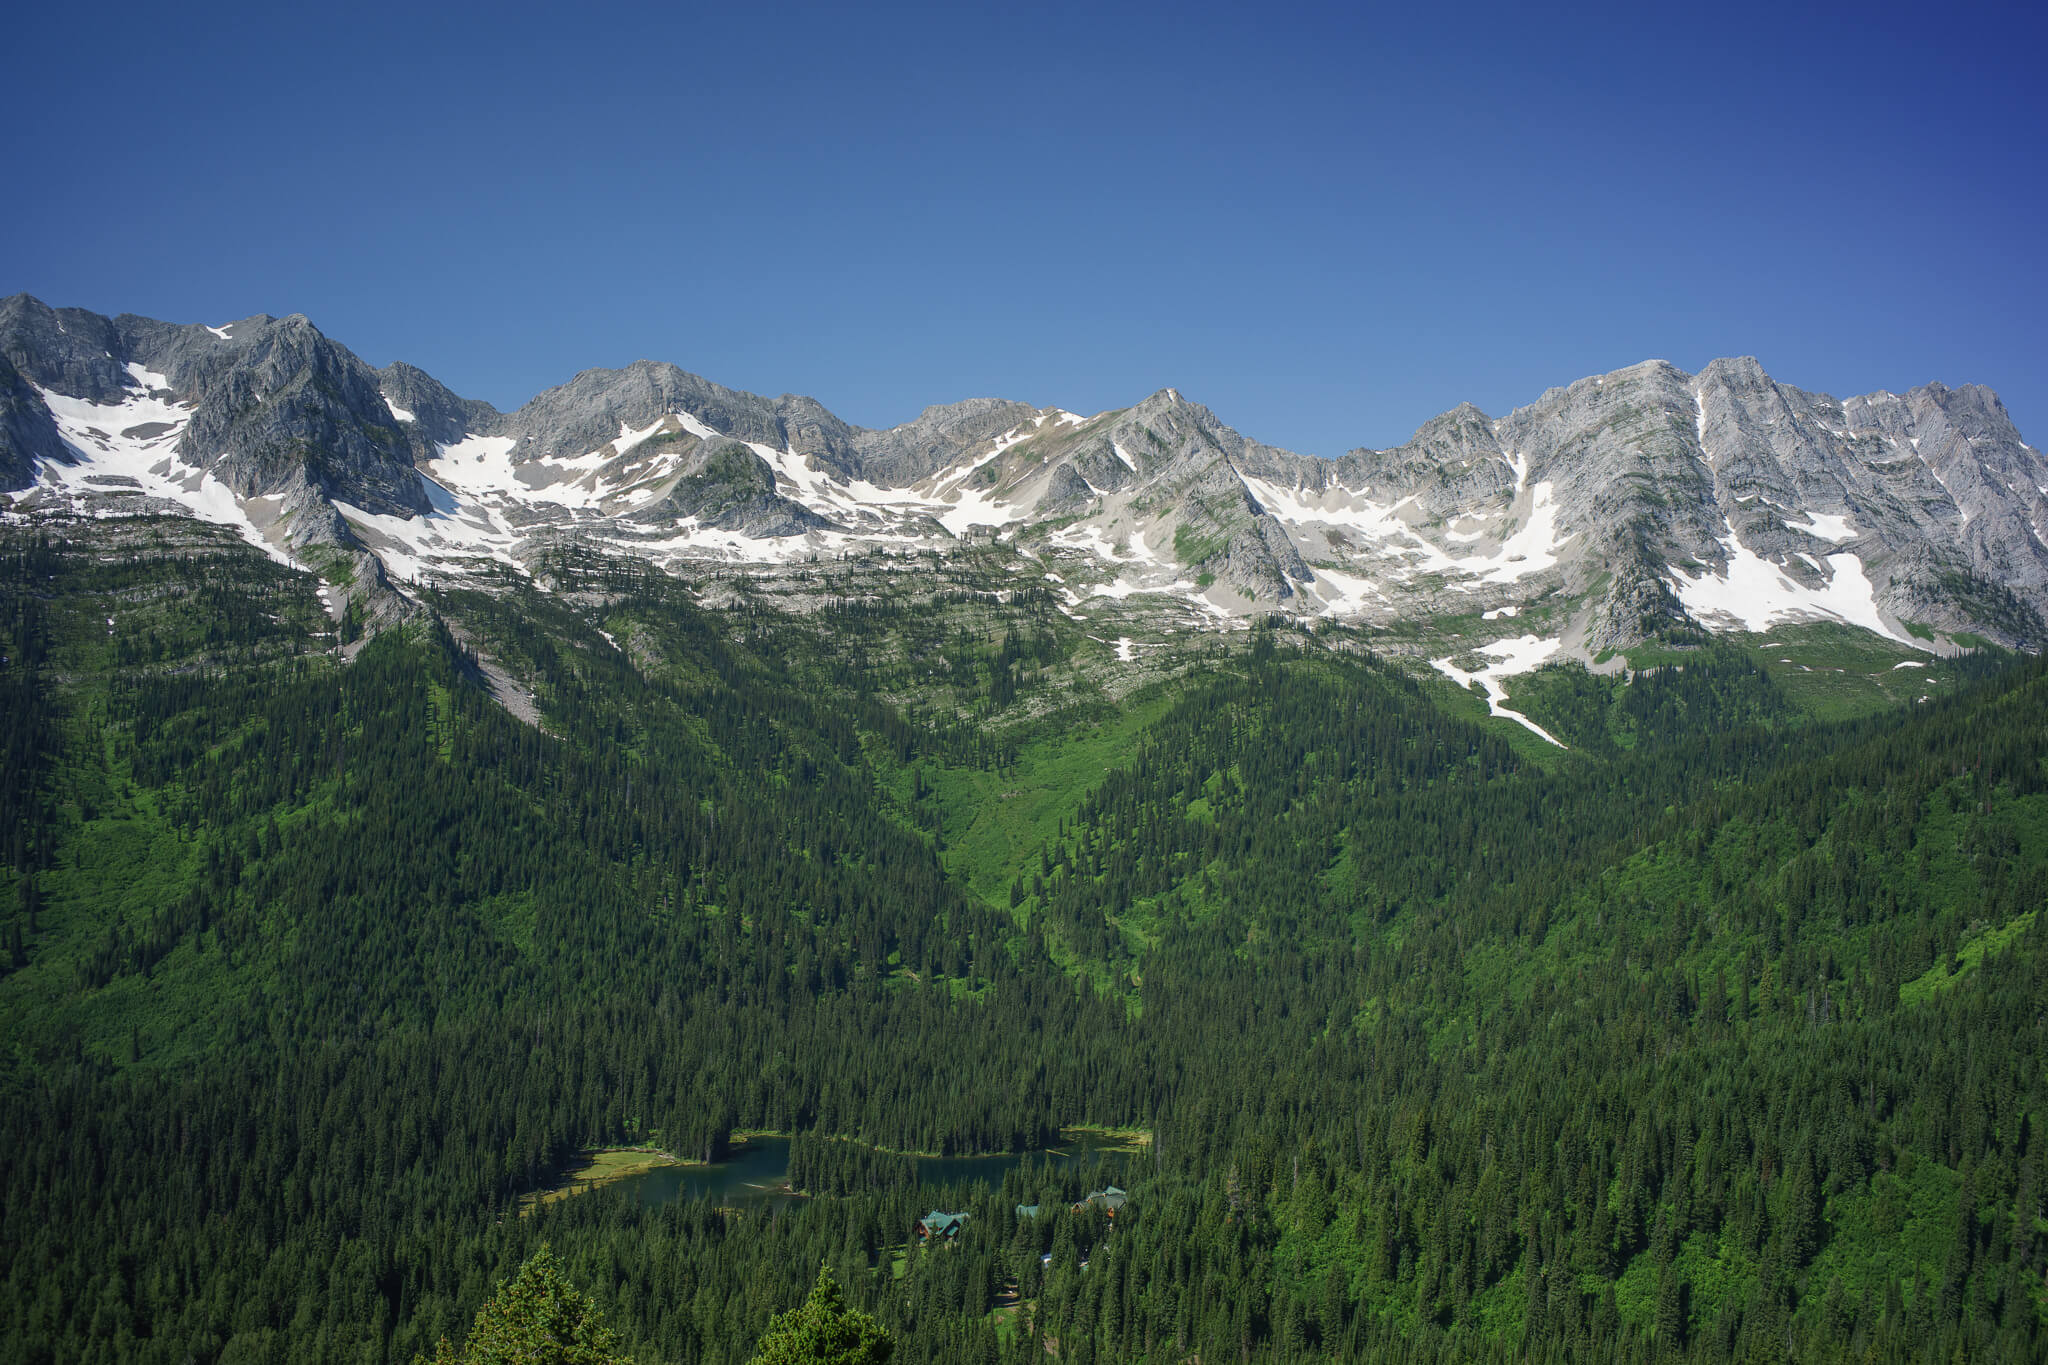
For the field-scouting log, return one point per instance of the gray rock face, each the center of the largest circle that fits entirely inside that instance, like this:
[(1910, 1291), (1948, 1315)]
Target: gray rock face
[(68, 350), (26, 432), (1933, 491), (272, 400), (1164, 473), (1656, 477), (1621, 452), (279, 399), (1188, 467), (939, 438), (728, 487), (589, 411), (1067, 493), (1453, 465), (1987, 485), (439, 417)]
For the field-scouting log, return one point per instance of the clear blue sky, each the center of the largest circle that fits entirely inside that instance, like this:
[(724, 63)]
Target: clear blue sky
[(1328, 224)]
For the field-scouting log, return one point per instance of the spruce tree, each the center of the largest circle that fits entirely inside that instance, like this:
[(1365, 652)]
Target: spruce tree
[(538, 1318), (824, 1331)]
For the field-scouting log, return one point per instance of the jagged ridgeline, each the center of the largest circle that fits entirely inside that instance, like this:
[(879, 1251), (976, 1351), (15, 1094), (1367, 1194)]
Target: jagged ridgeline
[(1598, 518), (1401, 1031)]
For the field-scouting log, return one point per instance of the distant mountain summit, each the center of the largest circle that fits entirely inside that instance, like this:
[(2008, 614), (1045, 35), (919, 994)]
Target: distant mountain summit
[(1602, 514)]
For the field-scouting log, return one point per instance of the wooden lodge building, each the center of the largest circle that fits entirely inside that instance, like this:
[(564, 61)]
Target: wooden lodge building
[(942, 1226)]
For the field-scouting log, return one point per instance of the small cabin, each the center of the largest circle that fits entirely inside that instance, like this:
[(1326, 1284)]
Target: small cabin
[(941, 1226)]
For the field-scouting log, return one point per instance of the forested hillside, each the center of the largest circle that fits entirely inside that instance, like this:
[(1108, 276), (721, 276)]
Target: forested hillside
[(1719, 1034)]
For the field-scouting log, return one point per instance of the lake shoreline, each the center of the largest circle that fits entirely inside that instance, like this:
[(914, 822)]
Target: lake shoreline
[(604, 1166)]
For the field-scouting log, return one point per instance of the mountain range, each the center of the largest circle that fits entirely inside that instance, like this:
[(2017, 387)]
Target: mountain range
[(1010, 785), (1598, 516)]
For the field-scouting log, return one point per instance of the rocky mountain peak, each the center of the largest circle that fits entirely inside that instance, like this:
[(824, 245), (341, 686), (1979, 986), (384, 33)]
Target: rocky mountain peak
[(939, 437), (69, 350), (429, 412), (1732, 371)]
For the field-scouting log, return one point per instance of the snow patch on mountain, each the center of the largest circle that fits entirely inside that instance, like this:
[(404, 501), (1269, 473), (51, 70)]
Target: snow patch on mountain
[(971, 507), (1756, 594), (455, 534), (1343, 594), (1521, 655), (1534, 547), (127, 461), (481, 464), (1829, 526), (1356, 515)]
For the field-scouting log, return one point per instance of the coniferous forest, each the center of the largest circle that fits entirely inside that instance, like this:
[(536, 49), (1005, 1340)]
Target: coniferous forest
[(1719, 1035)]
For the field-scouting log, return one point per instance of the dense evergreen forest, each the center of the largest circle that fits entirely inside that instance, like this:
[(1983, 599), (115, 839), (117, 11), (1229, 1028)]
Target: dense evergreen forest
[(1720, 1035)]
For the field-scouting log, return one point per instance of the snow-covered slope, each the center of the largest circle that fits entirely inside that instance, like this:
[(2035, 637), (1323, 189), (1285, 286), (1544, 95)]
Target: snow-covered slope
[(123, 459), (1592, 518)]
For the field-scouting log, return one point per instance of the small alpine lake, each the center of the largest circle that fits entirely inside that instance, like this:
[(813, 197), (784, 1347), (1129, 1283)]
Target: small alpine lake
[(757, 1172)]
